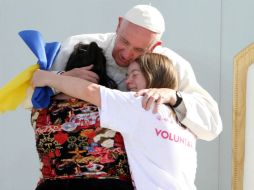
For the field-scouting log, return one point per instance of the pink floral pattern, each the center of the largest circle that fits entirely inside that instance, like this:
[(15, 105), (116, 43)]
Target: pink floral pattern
[(71, 143)]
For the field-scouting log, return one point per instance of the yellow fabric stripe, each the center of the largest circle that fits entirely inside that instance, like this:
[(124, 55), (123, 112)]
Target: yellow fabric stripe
[(14, 92)]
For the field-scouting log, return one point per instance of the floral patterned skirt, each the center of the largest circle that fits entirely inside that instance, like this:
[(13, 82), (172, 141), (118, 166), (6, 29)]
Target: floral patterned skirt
[(85, 184)]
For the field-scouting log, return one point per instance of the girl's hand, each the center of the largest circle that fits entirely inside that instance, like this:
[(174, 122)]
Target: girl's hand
[(40, 78), (156, 97)]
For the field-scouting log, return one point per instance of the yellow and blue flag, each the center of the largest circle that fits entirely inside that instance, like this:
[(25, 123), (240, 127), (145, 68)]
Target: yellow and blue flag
[(14, 92)]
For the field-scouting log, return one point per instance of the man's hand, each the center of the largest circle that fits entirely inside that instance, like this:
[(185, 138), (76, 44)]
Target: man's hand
[(83, 73), (158, 96)]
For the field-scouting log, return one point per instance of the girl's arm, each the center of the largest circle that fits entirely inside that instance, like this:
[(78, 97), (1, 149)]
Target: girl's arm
[(71, 86)]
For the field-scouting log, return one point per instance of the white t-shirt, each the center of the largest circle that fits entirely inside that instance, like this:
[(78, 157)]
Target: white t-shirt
[(161, 154), (198, 111)]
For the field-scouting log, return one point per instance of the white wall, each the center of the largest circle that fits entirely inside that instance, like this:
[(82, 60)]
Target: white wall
[(236, 33), (207, 33)]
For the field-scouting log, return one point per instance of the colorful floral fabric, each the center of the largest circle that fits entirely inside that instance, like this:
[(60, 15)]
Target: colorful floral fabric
[(71, 144)]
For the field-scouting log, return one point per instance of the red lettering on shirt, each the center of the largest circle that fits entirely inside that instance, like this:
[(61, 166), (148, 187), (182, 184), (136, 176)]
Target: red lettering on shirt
[(167, 135)]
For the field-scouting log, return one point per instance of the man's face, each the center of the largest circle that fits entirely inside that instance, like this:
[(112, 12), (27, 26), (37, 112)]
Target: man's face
[(135, 79), (131, 42)]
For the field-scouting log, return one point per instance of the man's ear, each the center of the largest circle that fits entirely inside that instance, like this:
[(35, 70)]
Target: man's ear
[(158, 43), (120, 19)]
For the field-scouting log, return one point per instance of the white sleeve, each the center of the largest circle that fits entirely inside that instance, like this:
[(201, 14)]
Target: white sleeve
[(200, 111), (120, 111)]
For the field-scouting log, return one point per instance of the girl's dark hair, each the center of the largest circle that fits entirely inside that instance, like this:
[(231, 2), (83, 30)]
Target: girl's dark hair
[(91, 54)]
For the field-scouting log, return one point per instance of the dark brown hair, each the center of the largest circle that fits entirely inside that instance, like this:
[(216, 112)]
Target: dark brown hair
[(87, 54)]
